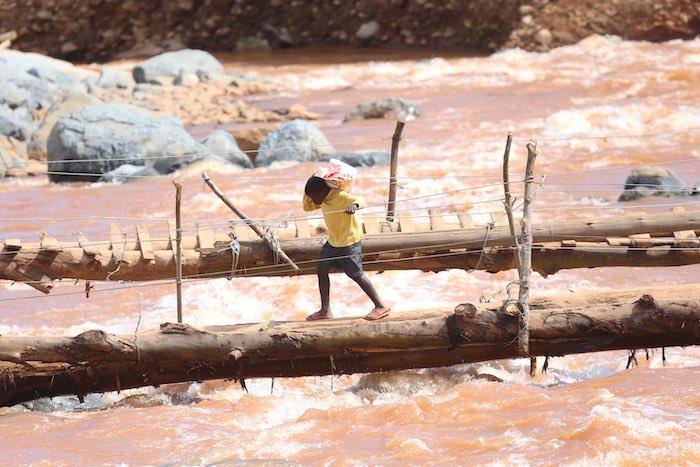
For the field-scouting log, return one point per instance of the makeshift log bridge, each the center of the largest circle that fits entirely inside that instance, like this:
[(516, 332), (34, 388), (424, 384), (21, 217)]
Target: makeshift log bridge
[(668, 239), (94, 361)]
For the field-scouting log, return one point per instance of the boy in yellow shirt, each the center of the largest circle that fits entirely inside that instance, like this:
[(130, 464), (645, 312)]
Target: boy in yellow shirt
[(343, 248)]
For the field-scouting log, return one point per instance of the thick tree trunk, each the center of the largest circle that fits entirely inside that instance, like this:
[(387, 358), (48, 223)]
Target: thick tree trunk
[(95, 361), (208, 255)]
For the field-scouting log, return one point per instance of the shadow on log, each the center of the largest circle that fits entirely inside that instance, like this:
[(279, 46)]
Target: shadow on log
[(95, 361)]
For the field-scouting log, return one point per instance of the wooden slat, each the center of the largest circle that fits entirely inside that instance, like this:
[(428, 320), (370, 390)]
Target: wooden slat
[(618, 241), (243, 233), (205, 236), (406, 222), (641, 240), (568, 243), (678, 209), (172, 236), (13, 244), (303, 229), (145, 243), (116, 239), (371, 227), (465, 220), (436, 220), (49, 243), (686, 238), (87, 247)]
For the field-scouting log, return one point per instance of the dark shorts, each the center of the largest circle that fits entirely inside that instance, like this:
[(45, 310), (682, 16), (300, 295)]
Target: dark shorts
[(347, 258)]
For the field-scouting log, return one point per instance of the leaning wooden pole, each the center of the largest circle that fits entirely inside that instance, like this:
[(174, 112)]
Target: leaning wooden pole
[(510, 304), (178, 252), (393, 170), (95, 361), (274, 246), (525, 266)]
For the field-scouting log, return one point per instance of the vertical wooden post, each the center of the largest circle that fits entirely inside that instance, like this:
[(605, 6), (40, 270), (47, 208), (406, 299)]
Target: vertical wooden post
[(391, 205), (178, 252), (526, 253)]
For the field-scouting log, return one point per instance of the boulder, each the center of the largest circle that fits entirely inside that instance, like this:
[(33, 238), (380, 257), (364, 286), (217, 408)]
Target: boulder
[(13, 96), (170, 63), (298, 140), (36, 149), (181, 154), (111, 78), (129, 173), (35, 93), (58, 72), (368, 158), (389, 107), (222, 143), (97, 139), (367, 32), (249, 140), (186, 79), (652, 180)]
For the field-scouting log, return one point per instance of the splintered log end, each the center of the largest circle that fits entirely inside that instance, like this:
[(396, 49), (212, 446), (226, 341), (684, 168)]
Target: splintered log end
[(178, 328), (646, 300), (466, 309), (510, 308), (95, 340), (235, 354)]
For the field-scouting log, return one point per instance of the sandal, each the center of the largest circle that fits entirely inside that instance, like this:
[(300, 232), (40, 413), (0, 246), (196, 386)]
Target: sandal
[(377, 313), (318, 315)]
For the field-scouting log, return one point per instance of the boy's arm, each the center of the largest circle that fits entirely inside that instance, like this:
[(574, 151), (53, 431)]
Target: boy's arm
[(352, 202), (309, 204)]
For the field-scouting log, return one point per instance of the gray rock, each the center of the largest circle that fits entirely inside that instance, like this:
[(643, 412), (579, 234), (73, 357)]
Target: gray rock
[(97, 139), (39, 94), (544, 37), (389, 107), (13, 126), (368, 158), (652, 180), (128, 173), (181, 154), (36, 149), (278, 38), (367, 32), (223, 144), (170, 64), (111, 78), (58, 72), (298, 140)]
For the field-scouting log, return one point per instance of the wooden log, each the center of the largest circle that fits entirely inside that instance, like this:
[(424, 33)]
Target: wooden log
[(393, 168), (95, 361)]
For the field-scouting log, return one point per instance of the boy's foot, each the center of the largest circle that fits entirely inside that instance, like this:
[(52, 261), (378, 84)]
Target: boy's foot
[(318, 315), (377, 313)]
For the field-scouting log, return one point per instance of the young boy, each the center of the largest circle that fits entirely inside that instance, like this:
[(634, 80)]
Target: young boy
[(343, 248)]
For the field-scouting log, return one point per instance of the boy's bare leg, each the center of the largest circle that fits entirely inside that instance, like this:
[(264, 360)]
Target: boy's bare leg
[(366, 285), (324, 287)]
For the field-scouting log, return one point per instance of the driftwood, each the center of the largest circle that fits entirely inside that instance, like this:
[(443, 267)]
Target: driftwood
[(560, 245), (94, 361)]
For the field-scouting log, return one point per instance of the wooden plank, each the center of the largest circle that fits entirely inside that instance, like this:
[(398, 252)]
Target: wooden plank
[(618, 241), (87, 247), (406, 222), (116, 239), (145, 244), (641, 240), (303, 230), (686, 238), (568, 243), (49, 243), (13, 244), (465, 220), (205, 236), (678, 209), (436, 220)]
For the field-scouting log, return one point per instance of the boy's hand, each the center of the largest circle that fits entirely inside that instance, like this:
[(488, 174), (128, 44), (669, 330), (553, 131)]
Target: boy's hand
[(352, 208)]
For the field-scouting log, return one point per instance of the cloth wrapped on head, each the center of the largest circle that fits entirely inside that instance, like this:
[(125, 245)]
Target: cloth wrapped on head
[(337, 174)]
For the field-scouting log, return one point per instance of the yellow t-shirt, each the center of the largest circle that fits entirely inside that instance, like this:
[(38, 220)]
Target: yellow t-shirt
[(343, 229)]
